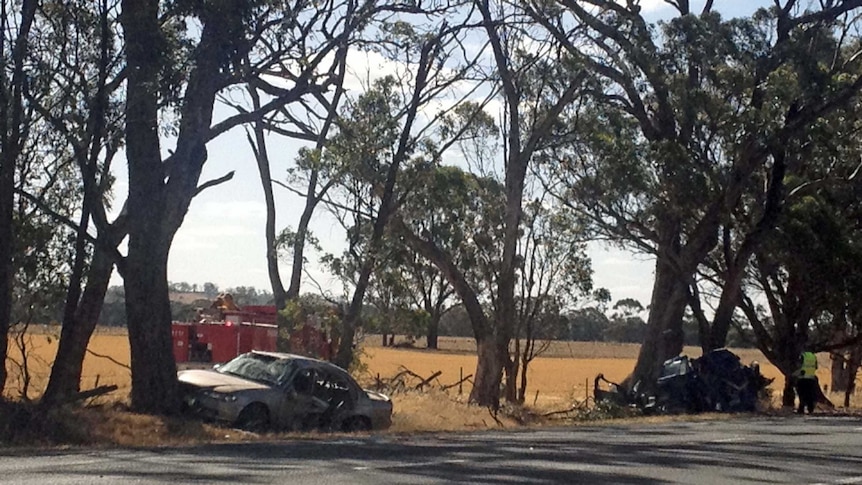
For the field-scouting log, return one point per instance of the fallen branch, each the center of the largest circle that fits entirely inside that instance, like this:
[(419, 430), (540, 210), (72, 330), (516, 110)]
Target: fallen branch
[(96, 391), (450, 386), (428, 380), (109, 358), (494, 415)]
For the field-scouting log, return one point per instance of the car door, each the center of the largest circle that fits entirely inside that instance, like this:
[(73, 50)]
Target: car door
[(302, 405), (336, 390)]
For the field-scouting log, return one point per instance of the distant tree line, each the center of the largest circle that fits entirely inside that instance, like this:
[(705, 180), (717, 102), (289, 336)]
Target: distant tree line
[(623, 323)]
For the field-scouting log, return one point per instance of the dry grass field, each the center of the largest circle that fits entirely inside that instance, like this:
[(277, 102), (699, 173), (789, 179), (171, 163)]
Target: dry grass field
[(562, 376), (564, 372)]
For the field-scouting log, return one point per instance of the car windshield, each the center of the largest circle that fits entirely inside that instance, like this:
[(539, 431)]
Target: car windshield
[(260, 368)]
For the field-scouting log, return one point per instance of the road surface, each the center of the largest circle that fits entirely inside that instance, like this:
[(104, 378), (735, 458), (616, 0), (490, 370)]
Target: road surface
[(786, 450)]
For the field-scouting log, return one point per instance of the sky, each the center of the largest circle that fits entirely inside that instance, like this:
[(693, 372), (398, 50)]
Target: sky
[(222, 238)]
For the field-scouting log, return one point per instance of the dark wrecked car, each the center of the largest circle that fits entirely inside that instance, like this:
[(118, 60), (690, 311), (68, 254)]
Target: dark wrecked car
[(714, 382), (271, 390)]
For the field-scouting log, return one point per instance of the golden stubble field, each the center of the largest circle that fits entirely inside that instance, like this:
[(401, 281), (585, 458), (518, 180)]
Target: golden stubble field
[(563, 374)]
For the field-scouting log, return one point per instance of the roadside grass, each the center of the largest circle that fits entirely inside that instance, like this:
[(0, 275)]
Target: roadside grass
[(27, 424), (559, 392)]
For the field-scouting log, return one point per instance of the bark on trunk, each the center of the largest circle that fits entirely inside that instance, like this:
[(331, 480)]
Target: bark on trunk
[(65, 381), (275, 283), (433, 332), (154, 372), (664, 335), (852, 368), (154, 382), (512, 369), (7, 237), (11, 129), (522, 388), (489, 373), (788, 395), (753, 240), (7, 270), (299, 244), (344, 356), (486, 382), (839, 371)]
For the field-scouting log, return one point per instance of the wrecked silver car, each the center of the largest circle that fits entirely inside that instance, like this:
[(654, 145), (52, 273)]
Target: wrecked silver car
[(270, 390)]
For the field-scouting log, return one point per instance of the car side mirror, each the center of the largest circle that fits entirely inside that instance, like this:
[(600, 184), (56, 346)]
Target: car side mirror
[(216, 367)]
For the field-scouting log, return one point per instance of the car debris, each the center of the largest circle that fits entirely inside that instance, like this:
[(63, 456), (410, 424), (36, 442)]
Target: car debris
[(259, 391), (714, 382)]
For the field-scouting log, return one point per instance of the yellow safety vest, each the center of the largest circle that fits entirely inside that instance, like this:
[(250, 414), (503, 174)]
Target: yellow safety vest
[(809, 366)]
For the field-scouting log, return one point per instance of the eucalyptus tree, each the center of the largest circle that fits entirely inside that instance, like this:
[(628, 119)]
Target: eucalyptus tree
[(411, 295), (311, 122), (422, 287), (453, 220), (386, 137), (209, 48), (806, 276), (446, 217), (36, 171), (527, 80), (388, 147), (16, 20), (686, 122), (554, 274), (526, 69), (80, 70)]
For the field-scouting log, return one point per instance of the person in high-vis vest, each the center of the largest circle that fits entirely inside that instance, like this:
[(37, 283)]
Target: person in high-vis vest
[(806, 382)]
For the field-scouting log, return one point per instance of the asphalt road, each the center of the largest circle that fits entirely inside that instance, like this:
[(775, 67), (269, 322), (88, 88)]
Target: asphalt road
[(789, 450)]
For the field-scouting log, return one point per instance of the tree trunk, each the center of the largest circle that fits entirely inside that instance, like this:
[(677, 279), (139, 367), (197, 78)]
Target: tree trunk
[(839, 371), (773, 205), (154, 379), (522, 388), (65, 381), (7, 269), (486, 383), (263, 166), (788, 395), (433, 331), (312, 197), (7, 238), (154, 371), (512, 367), (11, 128), (664, 335), (489, 373), (299, 243), (344, 356), (852, 368)]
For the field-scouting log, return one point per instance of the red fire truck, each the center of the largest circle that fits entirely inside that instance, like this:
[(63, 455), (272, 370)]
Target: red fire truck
[(225, 330)]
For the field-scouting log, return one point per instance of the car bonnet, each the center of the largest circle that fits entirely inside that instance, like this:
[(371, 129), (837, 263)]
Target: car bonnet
[(218, 381)]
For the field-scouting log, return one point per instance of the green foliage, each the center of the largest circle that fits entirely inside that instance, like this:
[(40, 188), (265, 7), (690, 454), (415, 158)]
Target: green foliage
[(43, 260), (310, 309)]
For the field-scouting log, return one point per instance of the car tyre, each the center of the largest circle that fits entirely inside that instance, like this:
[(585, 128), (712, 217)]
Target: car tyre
[(255, 417), (356, 423)]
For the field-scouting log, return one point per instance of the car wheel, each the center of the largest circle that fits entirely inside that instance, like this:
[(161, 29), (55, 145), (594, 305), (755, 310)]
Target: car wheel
[(356, 423), (255, 417)]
